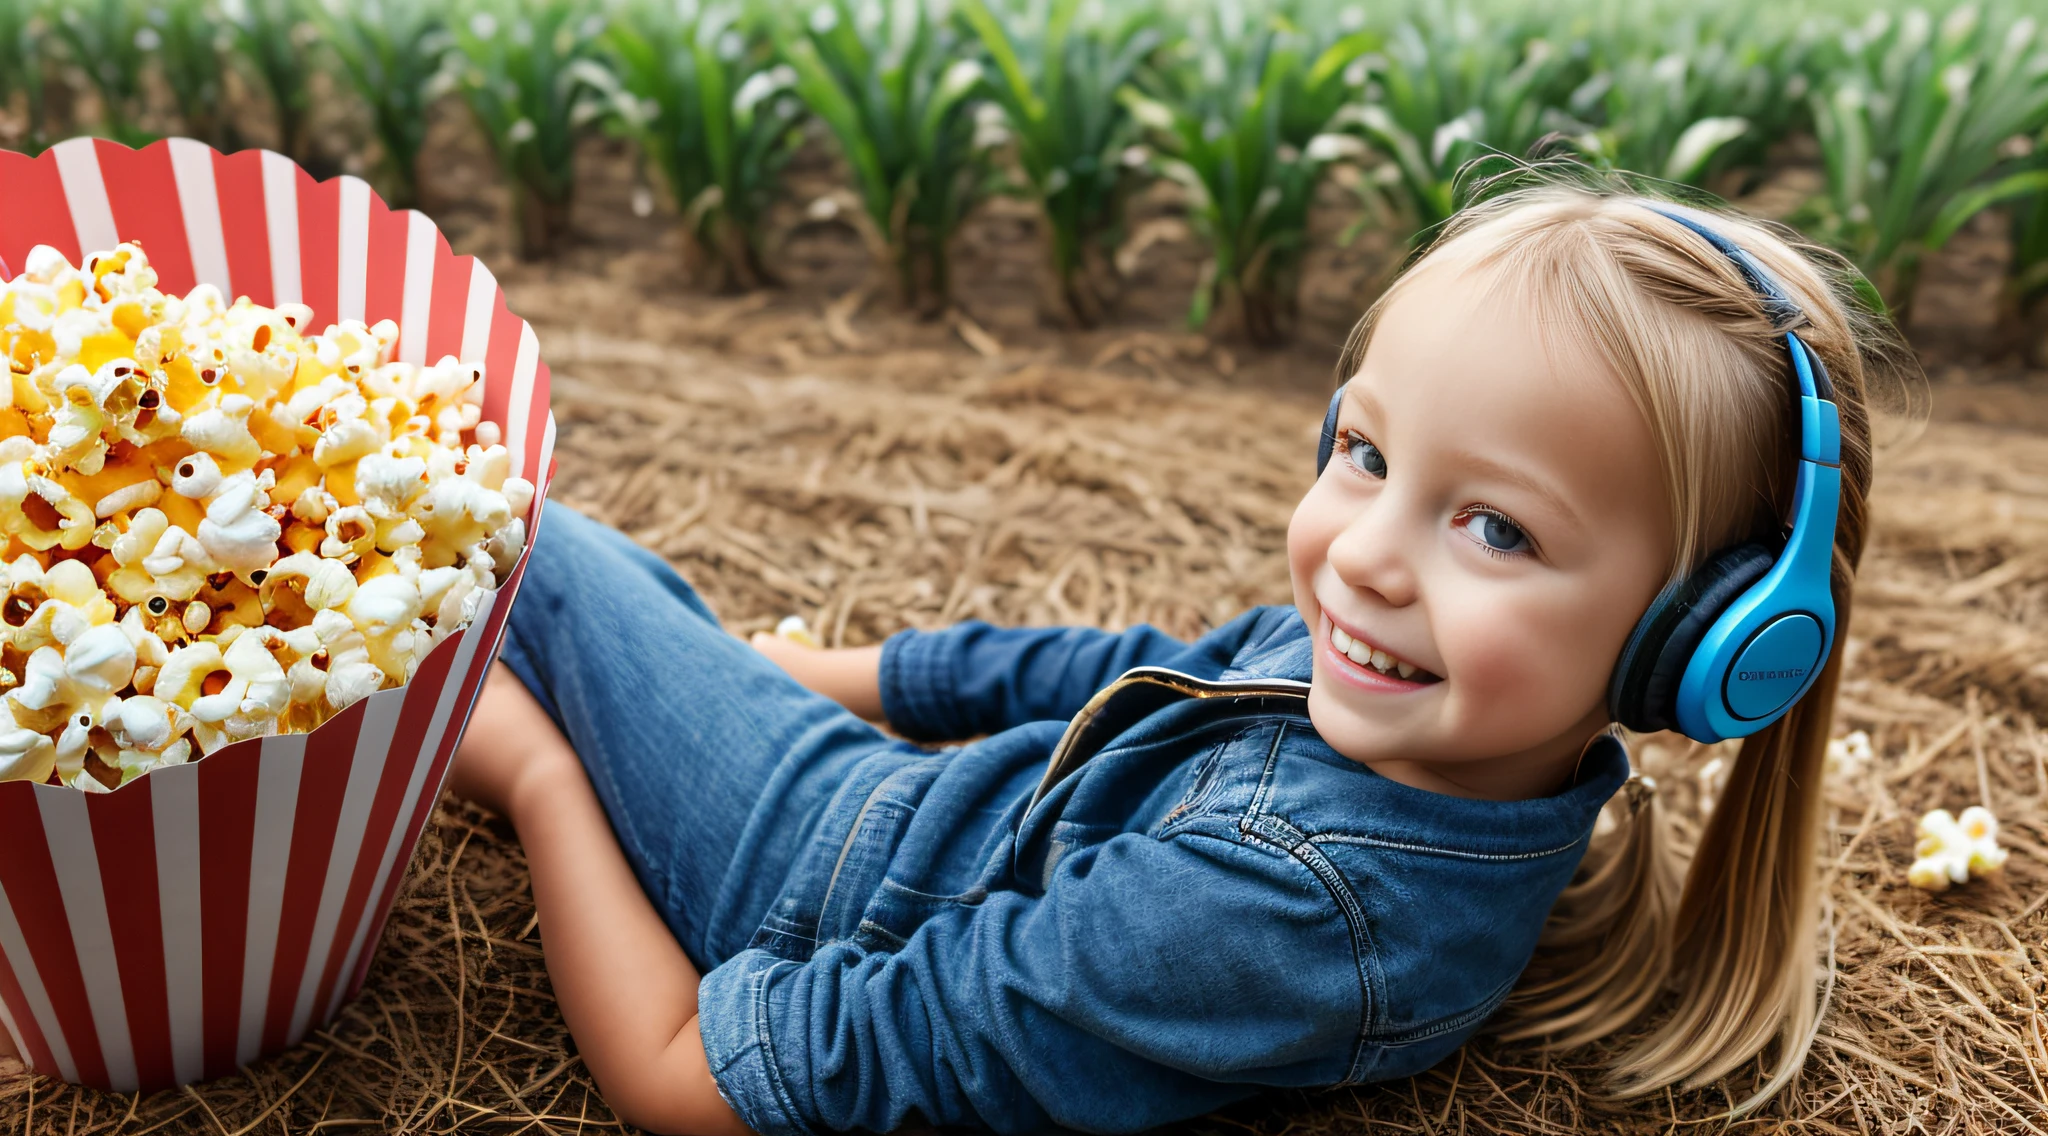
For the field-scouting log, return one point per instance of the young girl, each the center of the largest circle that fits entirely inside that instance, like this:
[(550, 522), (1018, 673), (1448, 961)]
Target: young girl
[(1321, 844)]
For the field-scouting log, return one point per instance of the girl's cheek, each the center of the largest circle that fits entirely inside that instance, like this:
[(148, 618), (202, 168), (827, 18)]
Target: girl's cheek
[(1515, 658), (1309, 533)]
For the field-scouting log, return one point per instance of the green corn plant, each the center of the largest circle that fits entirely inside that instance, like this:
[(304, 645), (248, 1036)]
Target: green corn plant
[(22, 32), (1449, 87), (272, 41), (2029, 285), (887, 81), (2023, 194), (1239, 117), (392, 53), (718, 117), (186, 38), (2027, 313), (108, 40), (1683, 93), (1912, 127), (1056, 79), (530, 72), (2023, 316)]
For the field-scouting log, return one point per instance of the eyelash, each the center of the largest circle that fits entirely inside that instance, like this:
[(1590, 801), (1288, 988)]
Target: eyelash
[(1346, 439), (1471, 511)]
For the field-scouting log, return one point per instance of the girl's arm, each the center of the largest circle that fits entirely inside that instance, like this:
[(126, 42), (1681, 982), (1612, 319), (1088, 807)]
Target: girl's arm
[(850, 676), (975, 678), (627, 991)]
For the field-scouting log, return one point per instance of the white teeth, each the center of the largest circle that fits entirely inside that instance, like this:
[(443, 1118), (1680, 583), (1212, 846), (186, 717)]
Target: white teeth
[(1364, 656)]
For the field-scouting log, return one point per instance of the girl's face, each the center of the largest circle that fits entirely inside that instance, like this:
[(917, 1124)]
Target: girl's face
[(1488, 531)]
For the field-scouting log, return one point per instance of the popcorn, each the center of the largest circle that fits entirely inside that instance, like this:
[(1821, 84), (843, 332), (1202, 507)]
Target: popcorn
[(196, 477), (216, 524), (237, 533), (25, 754), (1849, 756), (1953, 849), (794, 629)]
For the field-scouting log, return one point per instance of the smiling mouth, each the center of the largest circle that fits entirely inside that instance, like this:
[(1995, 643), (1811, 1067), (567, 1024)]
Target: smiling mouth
[(1377, 659)]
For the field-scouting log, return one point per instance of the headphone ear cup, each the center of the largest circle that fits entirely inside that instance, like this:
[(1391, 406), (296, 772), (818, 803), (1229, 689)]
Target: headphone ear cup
[(1328, 441), (1643, 693)]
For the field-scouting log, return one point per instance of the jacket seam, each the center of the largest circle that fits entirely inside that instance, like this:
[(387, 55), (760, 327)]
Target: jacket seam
[(1176, 821), (1280, 834), (1431, 849), (762, 1030), (1257, 807), (1453, 1023)]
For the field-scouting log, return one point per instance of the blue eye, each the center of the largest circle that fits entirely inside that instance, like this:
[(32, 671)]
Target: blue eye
[(1493, 531), (1363, 455)]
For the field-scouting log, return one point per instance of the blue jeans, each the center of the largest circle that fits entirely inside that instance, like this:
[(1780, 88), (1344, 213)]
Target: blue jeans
[(714, 765)]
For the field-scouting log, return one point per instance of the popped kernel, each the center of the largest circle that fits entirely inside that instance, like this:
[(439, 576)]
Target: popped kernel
[(218, 522), (1849, 756), (794, 629), (1955, 850)]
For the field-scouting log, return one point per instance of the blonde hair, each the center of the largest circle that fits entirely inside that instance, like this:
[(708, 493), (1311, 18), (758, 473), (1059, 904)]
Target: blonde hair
[(1703, 965)]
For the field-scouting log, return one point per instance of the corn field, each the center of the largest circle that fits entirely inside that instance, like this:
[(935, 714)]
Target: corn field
[(1923, 118)]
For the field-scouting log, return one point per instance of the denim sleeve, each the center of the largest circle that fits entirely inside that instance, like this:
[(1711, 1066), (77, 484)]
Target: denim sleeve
[(1153, 981), (976, 678)]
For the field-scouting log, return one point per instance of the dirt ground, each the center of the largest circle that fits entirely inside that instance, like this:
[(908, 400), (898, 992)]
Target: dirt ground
[(807, 450)]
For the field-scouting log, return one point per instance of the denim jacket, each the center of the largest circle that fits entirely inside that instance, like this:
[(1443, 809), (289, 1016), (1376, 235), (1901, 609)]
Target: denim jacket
[(1150, 891)]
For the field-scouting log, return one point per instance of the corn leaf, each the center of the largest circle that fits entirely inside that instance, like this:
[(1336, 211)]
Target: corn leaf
[(1914, 124), (186, 37), (717, 116), (107, 40), (531, 74), (271, 40), (1060, 74), (892, 84), (1231, 115), (23, 30), (392, 54), (1966, 205)]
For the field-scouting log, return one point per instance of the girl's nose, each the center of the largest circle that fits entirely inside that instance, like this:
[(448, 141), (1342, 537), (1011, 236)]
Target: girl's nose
[(1375, 551)]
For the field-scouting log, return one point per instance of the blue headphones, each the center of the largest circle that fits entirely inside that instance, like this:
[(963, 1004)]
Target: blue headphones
[(1726, 650)]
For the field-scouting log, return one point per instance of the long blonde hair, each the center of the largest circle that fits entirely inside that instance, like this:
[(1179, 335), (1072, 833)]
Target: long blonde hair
[(1704, 965)]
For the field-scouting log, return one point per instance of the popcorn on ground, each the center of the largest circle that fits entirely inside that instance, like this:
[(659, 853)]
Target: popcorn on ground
[(219, 526)]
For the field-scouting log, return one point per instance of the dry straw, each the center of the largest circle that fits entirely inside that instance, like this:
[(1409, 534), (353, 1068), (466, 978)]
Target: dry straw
[(875, 475)]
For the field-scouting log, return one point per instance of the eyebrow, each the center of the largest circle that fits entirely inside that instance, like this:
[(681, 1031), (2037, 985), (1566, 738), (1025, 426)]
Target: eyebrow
[(1491, 468), (1481, 464)]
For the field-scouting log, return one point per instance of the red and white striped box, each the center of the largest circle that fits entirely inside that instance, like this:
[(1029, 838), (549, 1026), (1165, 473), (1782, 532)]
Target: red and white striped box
[(208, 914)]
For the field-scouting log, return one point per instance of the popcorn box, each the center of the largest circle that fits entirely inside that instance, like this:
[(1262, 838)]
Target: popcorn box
[(208, 914)]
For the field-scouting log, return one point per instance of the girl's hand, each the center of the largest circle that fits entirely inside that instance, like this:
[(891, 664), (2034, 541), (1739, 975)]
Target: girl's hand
[(850, 676)]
